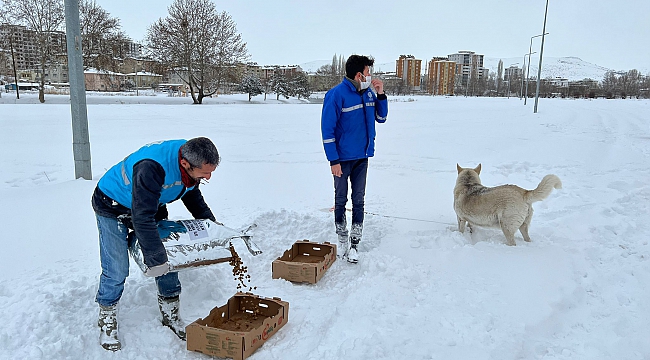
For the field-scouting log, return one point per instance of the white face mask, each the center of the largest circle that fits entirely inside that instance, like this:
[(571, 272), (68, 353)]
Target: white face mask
[(365, 84)]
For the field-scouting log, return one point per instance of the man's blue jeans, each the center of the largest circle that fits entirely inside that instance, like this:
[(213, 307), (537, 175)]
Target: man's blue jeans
[(114, 256), (356, 171)]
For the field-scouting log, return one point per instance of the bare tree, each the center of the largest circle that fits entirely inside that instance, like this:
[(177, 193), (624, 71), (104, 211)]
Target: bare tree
[(45, 18), (5, 50), (8, 43), (103, 43), (609, 84), (201, 45), (499, 76), (629, 83)]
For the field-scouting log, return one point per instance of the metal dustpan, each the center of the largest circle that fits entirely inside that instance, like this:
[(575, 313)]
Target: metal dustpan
[(195, 243)]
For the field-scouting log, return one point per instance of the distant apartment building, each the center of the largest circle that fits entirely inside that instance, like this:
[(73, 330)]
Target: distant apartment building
[(558, 82), (513, 72), (267, 72), (134, 50), (469, 65), (56, 72), (408, 68), (441, 76), (23, 41)]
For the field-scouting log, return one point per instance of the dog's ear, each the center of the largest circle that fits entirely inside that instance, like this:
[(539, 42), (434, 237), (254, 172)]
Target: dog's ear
[(478, 169), (459, 168)]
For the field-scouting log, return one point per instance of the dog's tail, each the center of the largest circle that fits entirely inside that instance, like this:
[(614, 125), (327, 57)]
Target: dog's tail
[(544, 188)]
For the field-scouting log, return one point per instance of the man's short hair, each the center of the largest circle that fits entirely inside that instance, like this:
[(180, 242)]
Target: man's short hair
[(200, 151), (356, 63)]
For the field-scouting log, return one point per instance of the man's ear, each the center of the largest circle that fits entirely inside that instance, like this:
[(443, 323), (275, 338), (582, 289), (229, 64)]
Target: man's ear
[(185, 164)]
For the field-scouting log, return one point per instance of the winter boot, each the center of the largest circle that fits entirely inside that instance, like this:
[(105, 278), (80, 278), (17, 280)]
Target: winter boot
[(342, 232), (169, 309), (355, 238), (108, 338)]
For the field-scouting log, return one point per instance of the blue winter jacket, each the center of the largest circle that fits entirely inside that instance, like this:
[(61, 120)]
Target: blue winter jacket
[(139, 186), (348, 122)]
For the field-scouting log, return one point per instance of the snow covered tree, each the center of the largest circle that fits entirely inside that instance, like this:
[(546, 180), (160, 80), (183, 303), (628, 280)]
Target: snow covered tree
[(103, 44), (280, 85), (299, 86), (45, 18), (251, 85), (200, 44)]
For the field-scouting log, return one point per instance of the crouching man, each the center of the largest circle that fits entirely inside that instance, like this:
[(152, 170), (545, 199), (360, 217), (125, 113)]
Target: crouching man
[(133, 195)]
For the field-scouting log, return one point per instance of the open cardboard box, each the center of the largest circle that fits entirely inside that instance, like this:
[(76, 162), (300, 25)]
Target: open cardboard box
[(306, 261), (236, 329)]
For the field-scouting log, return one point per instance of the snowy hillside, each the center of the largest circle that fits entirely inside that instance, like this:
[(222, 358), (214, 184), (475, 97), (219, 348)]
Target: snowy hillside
[(421, 291), (571, 68)]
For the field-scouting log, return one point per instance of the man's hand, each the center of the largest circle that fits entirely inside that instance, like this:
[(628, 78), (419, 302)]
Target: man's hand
[(158, 270), (378, 85), (167, 227), (336, 170)]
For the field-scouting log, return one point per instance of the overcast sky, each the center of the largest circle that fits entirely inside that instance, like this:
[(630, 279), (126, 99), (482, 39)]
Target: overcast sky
[(613, 34)]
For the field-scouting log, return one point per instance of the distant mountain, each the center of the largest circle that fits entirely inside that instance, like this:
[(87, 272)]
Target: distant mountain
[(569, 67)]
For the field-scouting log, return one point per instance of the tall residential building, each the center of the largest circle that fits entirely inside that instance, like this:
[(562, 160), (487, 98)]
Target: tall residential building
[(441, 76), (23, 41), (469, 65), (134, 49), (408, 68), (513, 72)]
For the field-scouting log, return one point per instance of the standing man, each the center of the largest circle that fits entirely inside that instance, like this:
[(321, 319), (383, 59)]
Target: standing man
[(350, 110), (133, 195)]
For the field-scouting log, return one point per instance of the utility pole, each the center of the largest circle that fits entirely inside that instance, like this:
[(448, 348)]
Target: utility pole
[(530, 52), (80, 138), (541, 53), (526, 73), (13, 61)]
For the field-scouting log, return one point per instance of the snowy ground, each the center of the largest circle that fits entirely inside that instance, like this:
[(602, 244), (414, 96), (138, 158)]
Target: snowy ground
[(422, 290)]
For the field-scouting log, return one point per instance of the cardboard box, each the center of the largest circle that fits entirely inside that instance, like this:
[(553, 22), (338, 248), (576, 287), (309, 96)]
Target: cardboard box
[(237, 329), (306, 261)]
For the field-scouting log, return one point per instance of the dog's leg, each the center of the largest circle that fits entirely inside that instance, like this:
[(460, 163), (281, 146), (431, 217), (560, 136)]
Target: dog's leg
[(461, 225), (509, 233), (524, 227)]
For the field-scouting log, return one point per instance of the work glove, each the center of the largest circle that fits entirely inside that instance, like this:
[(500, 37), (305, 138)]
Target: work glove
[(158, 270), (167, 227)]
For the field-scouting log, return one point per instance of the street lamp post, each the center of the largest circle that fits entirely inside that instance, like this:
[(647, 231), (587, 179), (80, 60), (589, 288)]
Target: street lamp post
[(528, 71), (525, 73), (541, 53)]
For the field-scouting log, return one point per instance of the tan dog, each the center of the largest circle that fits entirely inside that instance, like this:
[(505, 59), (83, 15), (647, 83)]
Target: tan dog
[(508, 207)]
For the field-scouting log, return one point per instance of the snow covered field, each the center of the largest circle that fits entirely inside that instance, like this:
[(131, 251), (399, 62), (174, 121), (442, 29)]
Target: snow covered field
[(422, 290)]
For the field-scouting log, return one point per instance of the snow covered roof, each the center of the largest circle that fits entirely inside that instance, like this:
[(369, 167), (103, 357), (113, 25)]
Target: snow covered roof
[(143, 73), (102, 72)]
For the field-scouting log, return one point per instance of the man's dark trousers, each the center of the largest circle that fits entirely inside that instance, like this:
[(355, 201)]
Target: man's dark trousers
[(356, 170)]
